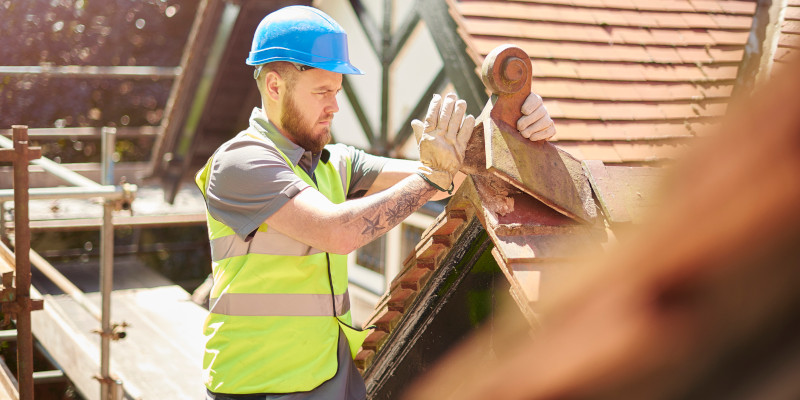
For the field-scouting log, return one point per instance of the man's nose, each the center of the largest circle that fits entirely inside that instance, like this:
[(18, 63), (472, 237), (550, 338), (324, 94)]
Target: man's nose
[(332, 106)]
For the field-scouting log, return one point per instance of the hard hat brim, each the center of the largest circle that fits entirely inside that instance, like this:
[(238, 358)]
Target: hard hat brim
[(330, 65)]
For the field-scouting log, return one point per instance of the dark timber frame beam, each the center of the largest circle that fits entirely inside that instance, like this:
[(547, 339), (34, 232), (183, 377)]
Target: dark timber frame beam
[(435, 87), (349, 91), (459, 67), (403, 32), (368, 24)]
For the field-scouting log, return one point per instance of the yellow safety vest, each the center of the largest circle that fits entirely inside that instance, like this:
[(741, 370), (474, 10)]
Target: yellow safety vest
[(277, 304)]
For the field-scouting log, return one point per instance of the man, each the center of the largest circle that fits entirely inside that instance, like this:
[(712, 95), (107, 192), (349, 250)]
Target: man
[(284, 209)]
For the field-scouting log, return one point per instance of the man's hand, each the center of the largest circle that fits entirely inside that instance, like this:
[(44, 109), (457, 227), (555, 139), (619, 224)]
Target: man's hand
[(535, 123), (443, 138)]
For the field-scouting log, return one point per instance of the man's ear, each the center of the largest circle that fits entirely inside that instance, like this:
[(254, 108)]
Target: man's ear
[(273, 84)]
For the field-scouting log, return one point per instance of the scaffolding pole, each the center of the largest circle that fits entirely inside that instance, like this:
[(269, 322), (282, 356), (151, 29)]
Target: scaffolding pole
[(110, 388), (16, 298), (111, 195)]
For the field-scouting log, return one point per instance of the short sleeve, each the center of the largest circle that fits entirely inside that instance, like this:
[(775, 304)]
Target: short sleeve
[(248, 182), (365, 168)]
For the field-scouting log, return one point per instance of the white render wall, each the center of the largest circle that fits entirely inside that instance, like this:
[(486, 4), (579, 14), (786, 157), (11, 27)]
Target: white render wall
[(410, 74)]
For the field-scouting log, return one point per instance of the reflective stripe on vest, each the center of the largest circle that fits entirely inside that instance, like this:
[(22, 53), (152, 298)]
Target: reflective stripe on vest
[(268, 242), (279, 304)]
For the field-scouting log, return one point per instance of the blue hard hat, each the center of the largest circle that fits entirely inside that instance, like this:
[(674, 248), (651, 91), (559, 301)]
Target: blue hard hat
[(302, 35)]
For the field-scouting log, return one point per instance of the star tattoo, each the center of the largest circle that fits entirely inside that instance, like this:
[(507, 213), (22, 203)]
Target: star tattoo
[(394, 215), (373, 225)]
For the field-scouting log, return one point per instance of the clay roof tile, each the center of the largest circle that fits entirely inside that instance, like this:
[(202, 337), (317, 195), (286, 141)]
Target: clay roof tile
[(650, 64)]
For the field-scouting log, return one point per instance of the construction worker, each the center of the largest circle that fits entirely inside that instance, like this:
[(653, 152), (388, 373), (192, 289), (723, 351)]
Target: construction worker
[(285, 208)]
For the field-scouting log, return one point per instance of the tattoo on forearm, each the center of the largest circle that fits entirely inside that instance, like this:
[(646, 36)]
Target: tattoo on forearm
[(407, 203), (396, 209), (372, 226)]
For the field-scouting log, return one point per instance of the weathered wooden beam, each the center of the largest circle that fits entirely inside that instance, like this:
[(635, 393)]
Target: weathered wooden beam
[(75, 353), (204, 28), (232, 40), (8, 383)]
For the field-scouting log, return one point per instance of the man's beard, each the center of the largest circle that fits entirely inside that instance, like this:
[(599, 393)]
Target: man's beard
[(301, 132)]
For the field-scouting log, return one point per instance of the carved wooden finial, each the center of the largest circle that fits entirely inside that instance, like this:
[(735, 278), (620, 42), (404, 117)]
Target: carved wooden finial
[(506, 72)]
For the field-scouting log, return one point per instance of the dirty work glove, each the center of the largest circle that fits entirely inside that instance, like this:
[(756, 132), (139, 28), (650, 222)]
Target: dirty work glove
[(535, 123), (442, 140)]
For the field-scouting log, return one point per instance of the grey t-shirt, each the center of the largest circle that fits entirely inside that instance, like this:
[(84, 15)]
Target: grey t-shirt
[(250, 180)]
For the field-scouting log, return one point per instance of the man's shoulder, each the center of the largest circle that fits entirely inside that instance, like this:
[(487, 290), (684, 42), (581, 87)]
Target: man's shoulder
[(342, 150), (247, 144), (250, 137)]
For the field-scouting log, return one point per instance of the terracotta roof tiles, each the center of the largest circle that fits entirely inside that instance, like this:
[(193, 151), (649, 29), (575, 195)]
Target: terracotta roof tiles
[(789, 39), (619, 131), (417, 269), (792, 12), (789, 26), (621, 70)]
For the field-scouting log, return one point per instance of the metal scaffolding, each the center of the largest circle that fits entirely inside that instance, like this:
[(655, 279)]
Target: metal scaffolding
[(113, 197)]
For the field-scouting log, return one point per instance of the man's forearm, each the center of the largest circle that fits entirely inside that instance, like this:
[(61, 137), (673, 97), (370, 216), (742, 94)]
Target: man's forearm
[(396, 170), (376, 214), (311, 218)]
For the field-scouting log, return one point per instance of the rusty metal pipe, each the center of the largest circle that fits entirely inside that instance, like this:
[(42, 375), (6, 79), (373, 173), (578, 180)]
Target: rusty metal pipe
[(2, 219), (22, 237)]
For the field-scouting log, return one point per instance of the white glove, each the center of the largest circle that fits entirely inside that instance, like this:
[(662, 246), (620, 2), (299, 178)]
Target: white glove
[(535, 123), (442, 139)]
